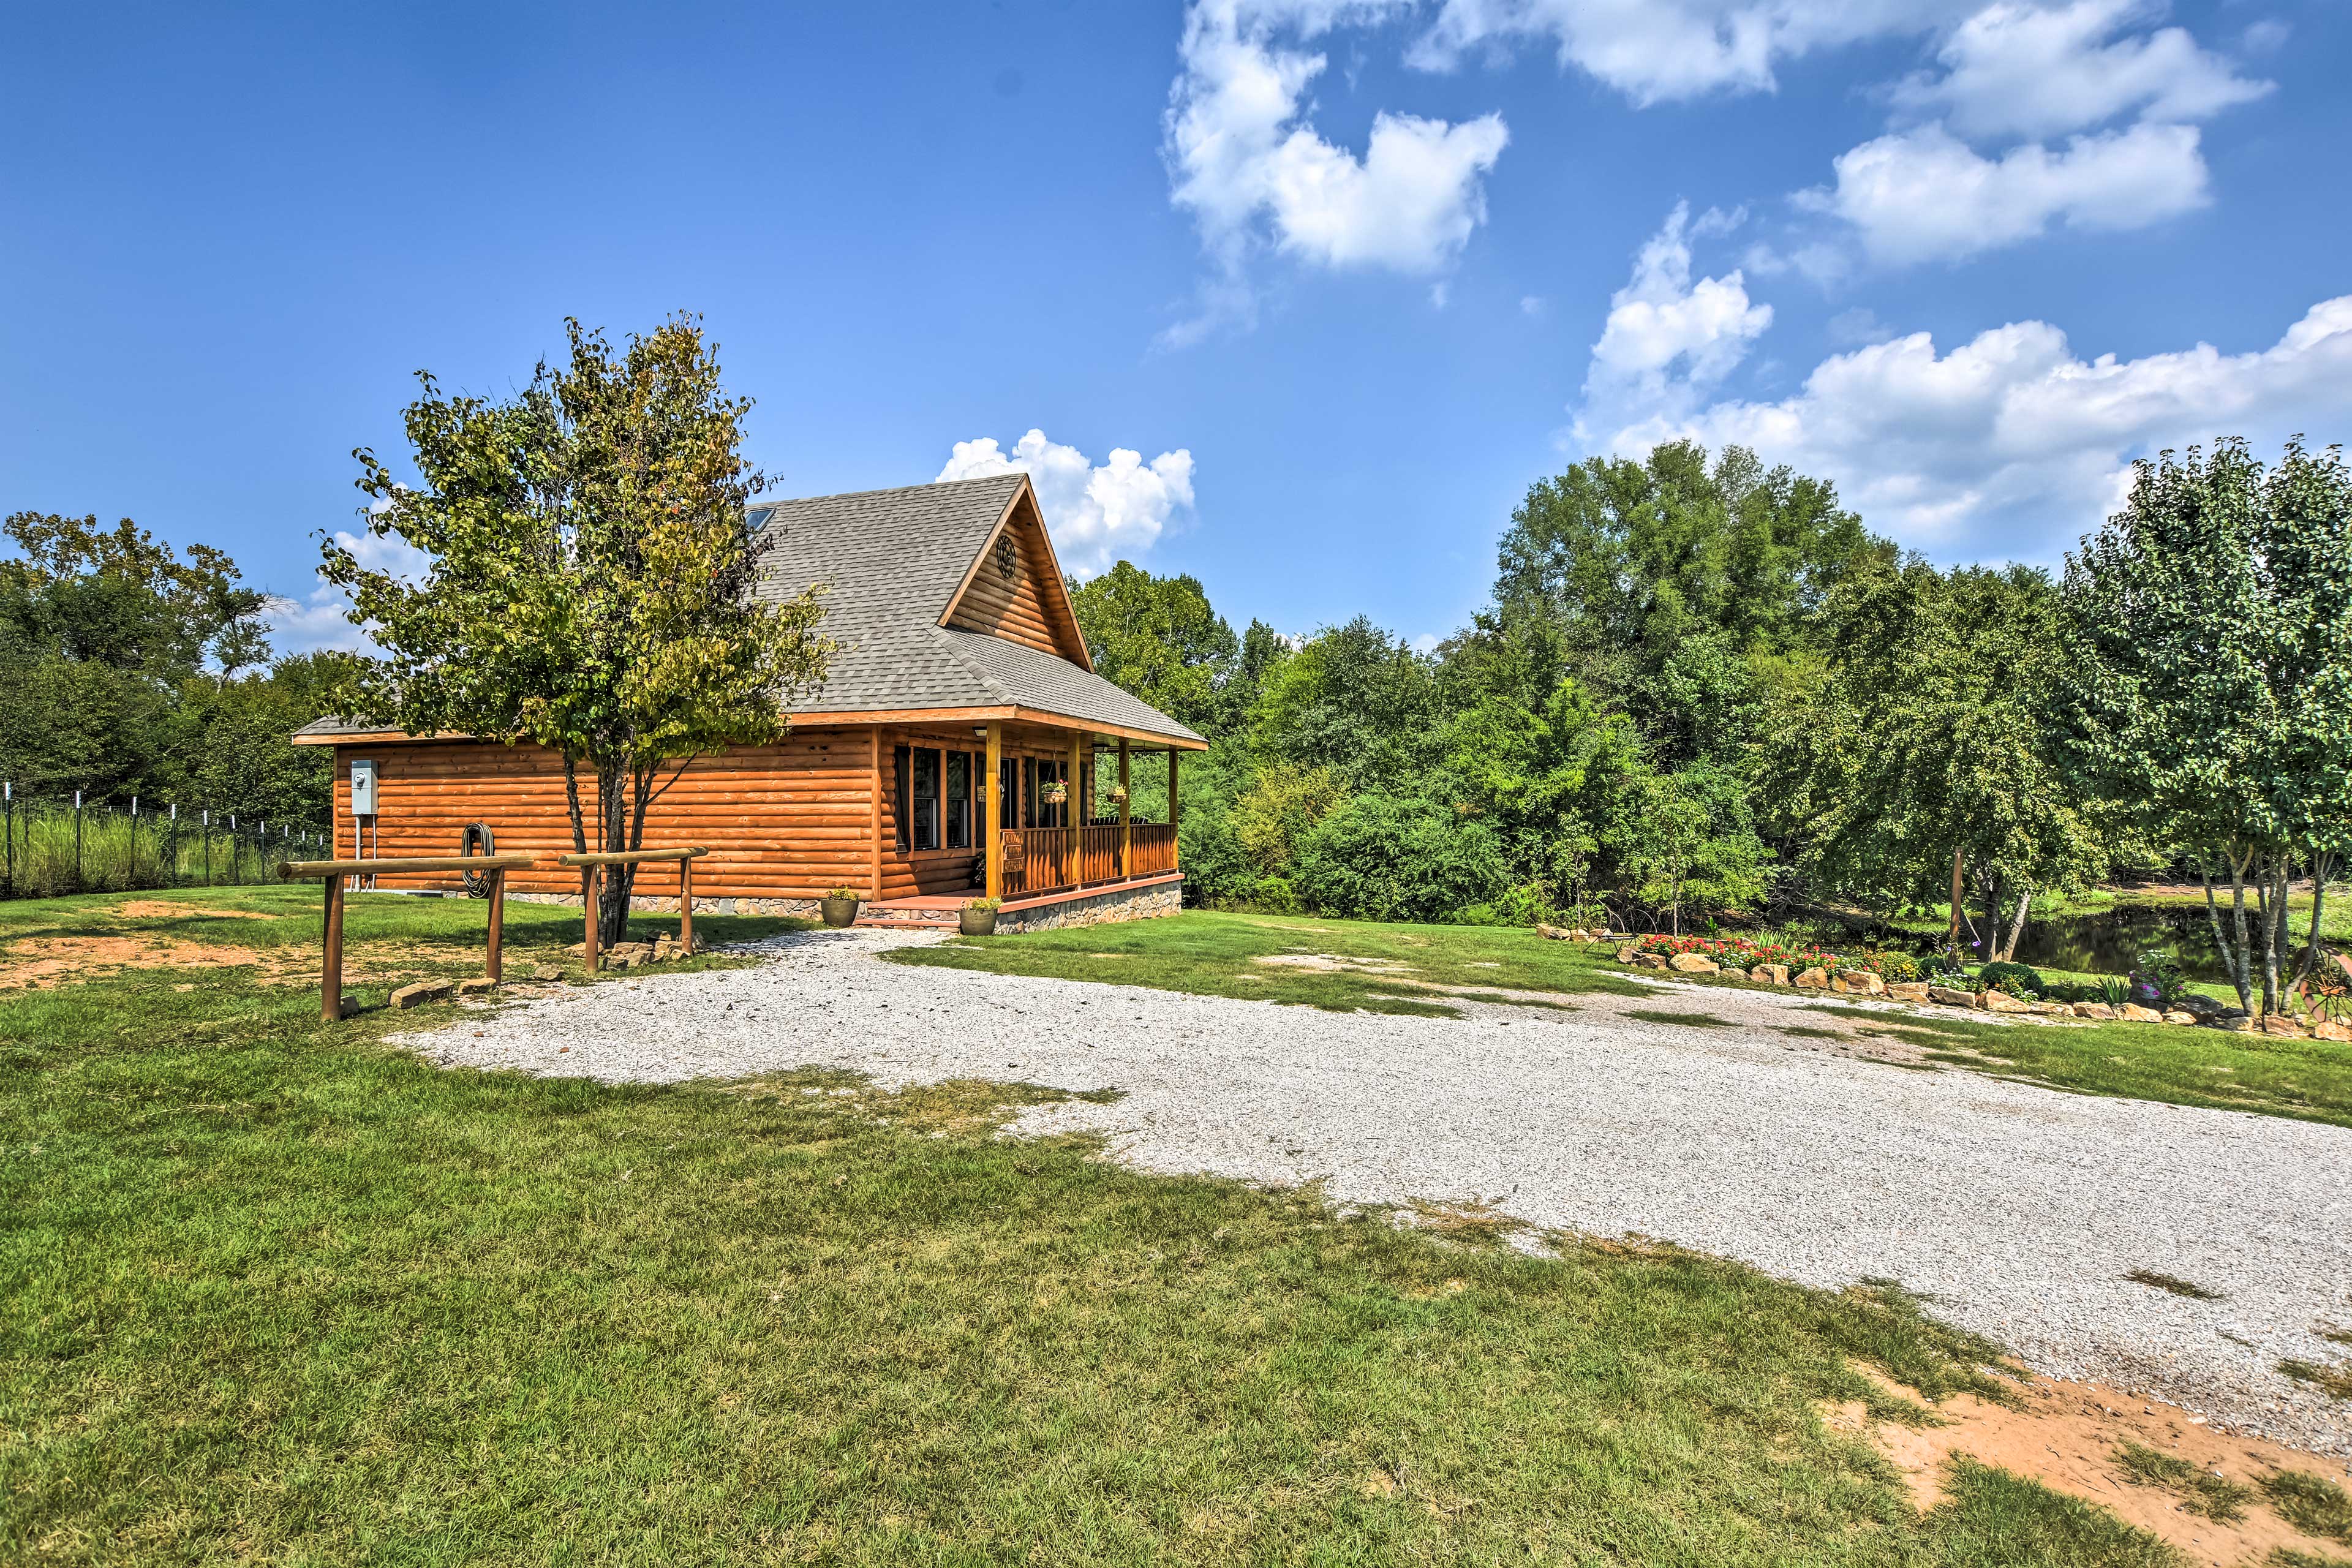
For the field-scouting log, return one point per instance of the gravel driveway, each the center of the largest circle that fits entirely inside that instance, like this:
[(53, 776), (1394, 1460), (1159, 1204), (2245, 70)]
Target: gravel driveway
[(2011, 1209)]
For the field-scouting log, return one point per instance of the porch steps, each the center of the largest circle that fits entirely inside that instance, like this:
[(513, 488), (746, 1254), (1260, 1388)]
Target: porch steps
[(906, 920)]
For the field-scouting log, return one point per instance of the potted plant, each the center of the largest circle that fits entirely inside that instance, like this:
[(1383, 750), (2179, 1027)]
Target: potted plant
[(1119, 795), (841, 908), (978, 917), (1054, 794)]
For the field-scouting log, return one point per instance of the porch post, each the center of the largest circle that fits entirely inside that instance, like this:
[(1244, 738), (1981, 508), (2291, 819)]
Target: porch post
[(1126, 829), (1173, 755), (874, 831), (993, 810)]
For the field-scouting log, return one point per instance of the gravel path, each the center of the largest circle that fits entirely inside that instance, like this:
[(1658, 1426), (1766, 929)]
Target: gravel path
[(2011, 1209)]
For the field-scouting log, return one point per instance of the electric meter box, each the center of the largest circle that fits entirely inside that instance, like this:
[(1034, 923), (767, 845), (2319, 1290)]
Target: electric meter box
[(362, 788)]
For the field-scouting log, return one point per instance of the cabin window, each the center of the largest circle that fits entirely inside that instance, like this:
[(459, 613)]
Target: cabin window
[(927, 798), (1008, 793), (959, 800)]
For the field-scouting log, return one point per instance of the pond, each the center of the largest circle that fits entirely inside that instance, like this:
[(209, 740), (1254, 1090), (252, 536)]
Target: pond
[(2106, 942)]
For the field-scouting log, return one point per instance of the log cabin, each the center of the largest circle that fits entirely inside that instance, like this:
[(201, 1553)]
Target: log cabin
[(955, 748)]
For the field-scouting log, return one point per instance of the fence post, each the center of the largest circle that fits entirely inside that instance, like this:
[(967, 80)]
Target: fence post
[(77, 841), (330, 994), (497, 922), (208, 845)]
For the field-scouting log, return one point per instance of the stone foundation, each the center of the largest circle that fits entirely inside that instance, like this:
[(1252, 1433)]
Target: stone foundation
[(803, 909), (1106, 907)]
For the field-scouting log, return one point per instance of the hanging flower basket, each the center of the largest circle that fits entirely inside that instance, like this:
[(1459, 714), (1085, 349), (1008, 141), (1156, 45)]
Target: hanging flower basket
[(1054, 794)]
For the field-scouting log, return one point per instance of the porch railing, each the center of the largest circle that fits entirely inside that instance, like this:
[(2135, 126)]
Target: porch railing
[(1057, 859)]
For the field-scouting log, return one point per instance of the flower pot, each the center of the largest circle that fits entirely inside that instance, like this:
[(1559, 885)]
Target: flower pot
[(976, 923), (840, 912)]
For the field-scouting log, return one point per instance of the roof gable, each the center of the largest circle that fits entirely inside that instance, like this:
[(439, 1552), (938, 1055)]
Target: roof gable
[(1014, 588)]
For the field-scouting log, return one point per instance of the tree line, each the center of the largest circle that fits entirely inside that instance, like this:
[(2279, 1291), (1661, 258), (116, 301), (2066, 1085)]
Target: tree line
[(133, 669), (1705, 690)]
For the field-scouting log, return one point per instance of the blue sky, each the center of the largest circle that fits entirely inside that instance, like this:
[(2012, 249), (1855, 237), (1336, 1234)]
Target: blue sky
[(1340, 278)]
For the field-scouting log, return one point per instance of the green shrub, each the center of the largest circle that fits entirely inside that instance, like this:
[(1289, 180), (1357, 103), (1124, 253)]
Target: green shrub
[(1387, 858), (2011, 978)]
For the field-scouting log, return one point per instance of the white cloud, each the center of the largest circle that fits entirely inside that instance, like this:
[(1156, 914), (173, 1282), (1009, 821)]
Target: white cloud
[(1243, 160), (1925, 194), (1658, 51), (2009, 444), (1668, 338), (322, 618), (2016, 70), (1096, 515), (1533, 305)]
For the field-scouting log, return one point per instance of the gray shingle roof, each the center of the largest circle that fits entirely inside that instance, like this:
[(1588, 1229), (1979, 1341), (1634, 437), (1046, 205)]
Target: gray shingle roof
[(895, 559)]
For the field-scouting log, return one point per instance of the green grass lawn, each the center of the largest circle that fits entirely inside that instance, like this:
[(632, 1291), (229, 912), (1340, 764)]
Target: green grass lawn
[(1222, 954), (272, 1291), (1255, 957)]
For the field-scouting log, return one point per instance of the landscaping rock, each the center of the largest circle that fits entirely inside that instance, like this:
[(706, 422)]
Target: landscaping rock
[(1951, 998), (2329, 1029), (1814, 979), (2178, 1017), (479, 985), (2283, 1027), (2197, 1002), (1860, 983), (1695, 963), (1555, 933), (1624, 955), (2002, 1002), (1910, 991), (1650, 960), (2054, 1009), (2094, 1010), (1770, 974), (421, 992), (2139, 1014), (2232, 1022), (547, 972)]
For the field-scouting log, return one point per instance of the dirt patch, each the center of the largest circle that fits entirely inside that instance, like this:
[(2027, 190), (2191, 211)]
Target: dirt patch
[(38, 963), (2092, 1442), (1334, 963), (158, 909)]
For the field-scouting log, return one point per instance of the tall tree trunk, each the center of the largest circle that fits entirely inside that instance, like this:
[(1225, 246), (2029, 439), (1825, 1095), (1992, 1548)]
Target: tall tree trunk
[(1952, 939), (2234, 957), (2017, 926), (2274, 931), (1991, 938)]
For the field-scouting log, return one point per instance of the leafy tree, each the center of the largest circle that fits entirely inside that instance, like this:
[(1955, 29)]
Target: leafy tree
[(2210, 662), (1694, 845), (1531, 750), (1926, 732), (102, 630), (123, 598), (1158, 638), (1354, 699), (1670, 580), (595, 585)]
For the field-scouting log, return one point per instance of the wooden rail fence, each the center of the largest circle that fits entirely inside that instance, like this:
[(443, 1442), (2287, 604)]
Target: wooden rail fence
[(333, 872)]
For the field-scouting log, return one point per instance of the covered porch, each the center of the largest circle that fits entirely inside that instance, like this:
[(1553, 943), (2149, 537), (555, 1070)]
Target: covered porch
[(1018, 809)]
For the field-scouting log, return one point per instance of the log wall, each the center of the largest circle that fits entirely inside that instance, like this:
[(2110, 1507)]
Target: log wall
[(788, 821), (1022, 609)]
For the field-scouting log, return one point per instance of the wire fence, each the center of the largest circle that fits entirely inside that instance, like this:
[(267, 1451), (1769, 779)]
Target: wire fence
[(55, 845)]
